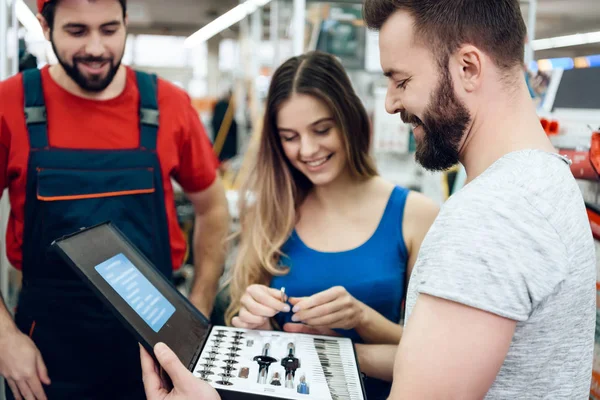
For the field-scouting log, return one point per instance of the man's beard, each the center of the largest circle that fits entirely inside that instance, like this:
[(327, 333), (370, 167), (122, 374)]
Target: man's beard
[(92, 83), (444, 124)]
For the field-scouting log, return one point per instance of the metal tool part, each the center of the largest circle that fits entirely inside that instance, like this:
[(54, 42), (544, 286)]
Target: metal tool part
[(303, 386), (204, 375), (289, 380), (264, 361), (244, 372), (226, 376), (291, 364), (276, 379), (333, 360), (262, 376), (284, 297)]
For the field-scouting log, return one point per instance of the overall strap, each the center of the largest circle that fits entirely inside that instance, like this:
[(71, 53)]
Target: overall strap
[(35, 109), (147, 86)]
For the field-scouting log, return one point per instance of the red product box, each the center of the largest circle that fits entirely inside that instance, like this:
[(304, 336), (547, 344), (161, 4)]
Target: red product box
[(582, 165)]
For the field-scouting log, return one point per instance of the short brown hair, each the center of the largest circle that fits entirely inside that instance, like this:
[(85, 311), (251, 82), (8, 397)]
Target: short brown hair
[(494, 26), (49, 10)]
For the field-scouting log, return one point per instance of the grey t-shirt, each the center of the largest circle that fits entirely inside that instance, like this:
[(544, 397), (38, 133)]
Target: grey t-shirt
[(516, 242)]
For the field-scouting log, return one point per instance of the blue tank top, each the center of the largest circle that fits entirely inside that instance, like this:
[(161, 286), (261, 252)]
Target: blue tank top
[(373, 273)]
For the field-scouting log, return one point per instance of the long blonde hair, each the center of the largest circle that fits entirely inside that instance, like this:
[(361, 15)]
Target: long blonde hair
[(274, 189)]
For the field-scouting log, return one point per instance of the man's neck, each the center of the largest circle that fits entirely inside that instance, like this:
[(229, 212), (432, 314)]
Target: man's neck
[(506, 123), (114, 89)]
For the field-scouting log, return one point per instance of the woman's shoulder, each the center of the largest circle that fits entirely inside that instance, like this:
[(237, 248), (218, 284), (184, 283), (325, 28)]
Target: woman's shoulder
[(416, 210), (421, 205), (419, 213), (384, 189), (415, 201)]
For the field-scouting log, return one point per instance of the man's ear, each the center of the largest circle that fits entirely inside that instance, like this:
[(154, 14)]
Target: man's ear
[(126, 20), (470, 62), (45, 26)]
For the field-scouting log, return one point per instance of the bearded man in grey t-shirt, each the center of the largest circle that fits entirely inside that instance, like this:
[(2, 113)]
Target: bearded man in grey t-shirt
[(501, 303)]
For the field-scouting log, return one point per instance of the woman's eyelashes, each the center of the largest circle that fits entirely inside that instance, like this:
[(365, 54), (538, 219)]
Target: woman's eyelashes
[(288, 138), (322, 131)]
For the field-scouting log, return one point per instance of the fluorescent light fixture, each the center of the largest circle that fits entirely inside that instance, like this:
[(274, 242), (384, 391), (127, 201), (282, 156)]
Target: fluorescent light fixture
[(223, 22), (28, 20), (36, 41), (566, 41)]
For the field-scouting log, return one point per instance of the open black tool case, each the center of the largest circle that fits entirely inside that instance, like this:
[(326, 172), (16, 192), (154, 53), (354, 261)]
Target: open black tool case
[(241, 364)]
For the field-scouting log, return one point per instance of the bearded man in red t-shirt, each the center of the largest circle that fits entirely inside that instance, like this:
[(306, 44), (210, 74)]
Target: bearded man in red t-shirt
[(83, 142)]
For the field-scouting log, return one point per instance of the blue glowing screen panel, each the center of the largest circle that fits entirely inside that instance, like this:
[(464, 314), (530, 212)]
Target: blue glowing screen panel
[(137, 291)]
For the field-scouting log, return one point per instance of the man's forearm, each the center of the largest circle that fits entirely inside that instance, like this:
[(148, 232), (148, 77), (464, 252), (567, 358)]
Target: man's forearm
[(6, 320), (377, 360), (210, 234)]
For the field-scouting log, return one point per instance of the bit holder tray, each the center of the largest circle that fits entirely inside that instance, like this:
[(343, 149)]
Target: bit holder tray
[(326, 367)]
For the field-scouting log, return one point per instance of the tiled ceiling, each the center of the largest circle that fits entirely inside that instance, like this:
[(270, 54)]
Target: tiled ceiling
[(175, 17), (566, 17), (183, 17)]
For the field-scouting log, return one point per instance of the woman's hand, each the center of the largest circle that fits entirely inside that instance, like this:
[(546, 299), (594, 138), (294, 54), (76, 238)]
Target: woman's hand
[(311, 330), (334, 308), (259, 303)]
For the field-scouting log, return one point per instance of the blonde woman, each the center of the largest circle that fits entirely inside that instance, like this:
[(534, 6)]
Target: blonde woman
[(322, 223)]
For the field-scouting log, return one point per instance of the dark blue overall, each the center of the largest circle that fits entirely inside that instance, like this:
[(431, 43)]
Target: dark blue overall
[(88, 353)]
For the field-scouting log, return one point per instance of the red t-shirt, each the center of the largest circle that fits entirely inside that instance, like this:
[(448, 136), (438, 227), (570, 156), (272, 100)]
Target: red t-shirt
[(183, 148)]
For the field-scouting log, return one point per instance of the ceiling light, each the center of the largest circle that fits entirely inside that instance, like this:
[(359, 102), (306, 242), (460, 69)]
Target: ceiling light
[(223, 22), (28, 19), (36, 41), (566, 41)]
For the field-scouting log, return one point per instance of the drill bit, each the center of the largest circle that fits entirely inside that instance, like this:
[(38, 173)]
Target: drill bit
[(264, 361), (291, 364)]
